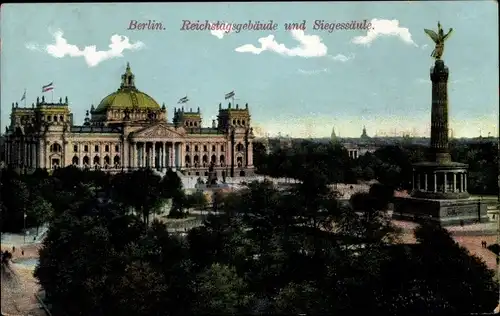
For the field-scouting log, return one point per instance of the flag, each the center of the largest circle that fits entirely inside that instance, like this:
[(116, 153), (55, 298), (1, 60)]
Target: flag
[(48, 87), (24, 95), (229, 95), (183, 100)]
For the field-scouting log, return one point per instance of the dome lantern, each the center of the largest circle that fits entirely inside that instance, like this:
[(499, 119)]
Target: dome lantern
[(128, 79)]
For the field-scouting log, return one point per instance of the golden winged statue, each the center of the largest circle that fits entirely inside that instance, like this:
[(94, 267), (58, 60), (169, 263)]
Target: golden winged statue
[(438, 39)]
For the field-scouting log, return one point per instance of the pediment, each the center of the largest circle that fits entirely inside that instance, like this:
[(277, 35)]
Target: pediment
[(158, 131)]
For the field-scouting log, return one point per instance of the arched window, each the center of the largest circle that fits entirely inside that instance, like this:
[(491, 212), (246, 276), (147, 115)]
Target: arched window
[(213, 159), (107, 160), (61, 118), (106, 148), (187, 161), (243, 122), (196, 160), (55, 148), (75, 161), (222, 161), (239, 161), (86, 160), (187, 148), (196, 148), (239, 147), (116, 160), (55, 118), (97, 160)]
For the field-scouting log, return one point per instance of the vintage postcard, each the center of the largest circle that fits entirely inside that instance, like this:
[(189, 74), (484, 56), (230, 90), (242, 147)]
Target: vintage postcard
[(235, 158)]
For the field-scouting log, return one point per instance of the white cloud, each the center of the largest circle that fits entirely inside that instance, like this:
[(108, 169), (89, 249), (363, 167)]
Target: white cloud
[(92, 56), (221, 30), (313, 72), (340, 57), (381, 28), (309, 46), (424, 46)]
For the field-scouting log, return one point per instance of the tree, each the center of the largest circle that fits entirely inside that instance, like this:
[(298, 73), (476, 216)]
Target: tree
[(142, 190), (441, 259), (219, 290), (40, 211)]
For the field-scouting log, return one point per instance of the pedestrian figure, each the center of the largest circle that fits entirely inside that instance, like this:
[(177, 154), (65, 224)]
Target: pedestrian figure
[(22, 252), (13, 249), (462, 223)]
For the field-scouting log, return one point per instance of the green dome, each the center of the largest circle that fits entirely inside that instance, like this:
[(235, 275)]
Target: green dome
[(127, 96)]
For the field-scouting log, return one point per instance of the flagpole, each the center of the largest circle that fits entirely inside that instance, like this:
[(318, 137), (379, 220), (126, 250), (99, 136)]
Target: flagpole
[(52, 93), (25, 97)]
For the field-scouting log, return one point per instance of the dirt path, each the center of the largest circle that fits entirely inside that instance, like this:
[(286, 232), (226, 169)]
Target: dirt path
[(19, 286)]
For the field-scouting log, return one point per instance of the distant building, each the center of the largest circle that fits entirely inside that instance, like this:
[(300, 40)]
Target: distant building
[(358, 147)]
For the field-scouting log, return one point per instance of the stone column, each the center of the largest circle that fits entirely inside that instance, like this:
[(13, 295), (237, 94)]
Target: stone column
[(413, 182), (174, 155), (139, 155), (425, 182), (250, 154), (418, 181), (25, 154), (154, 166), (135, 150), (465, 182), (435, 182), (455, 182), (38, 154), (461, 182), (125, 157), (181, 155), (33, 155), (445, 182)]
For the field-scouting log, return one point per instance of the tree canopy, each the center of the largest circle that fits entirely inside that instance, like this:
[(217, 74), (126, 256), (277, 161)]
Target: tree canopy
[(268, 250)]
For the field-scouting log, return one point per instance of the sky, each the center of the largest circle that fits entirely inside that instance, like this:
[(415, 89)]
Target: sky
[(301, 82)]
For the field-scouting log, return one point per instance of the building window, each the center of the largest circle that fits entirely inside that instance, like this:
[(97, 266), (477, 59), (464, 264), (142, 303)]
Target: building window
[(243, 122), (196, 148), (86, 148), (204, 148), (221, 147), (106, 148), (61, 118), (187, 148), (55, 148), (96, 148), (213, 147), (75, 148), (117, 148), (49, 118), (55, 118)]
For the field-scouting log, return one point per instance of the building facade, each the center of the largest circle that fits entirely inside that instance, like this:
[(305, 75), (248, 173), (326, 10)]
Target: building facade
[(126, 131)]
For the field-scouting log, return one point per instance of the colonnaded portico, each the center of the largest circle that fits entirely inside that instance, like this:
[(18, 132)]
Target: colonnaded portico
[(129, 130)]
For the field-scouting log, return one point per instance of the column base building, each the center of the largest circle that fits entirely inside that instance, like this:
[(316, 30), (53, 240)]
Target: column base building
[(126, 131)]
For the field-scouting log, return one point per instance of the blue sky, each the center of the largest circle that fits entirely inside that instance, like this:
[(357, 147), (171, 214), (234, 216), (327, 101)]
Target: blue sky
[(300, 85)]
